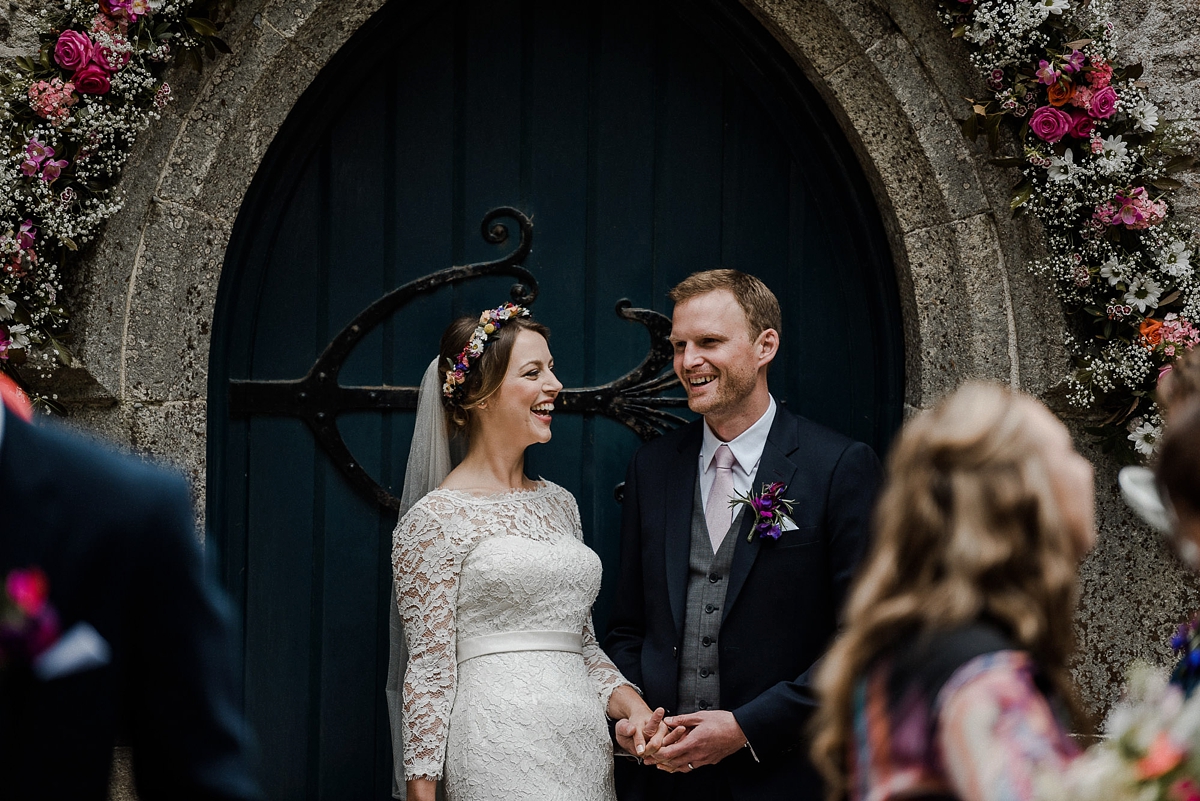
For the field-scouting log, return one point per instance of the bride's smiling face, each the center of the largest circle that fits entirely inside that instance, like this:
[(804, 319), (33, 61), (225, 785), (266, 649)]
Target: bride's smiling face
[(522, 408)]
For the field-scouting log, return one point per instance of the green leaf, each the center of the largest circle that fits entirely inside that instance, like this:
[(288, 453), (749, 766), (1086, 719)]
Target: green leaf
[(959, 32), (1021, 195), (202, 26), (220, 44), (63, 354), (970, 127), (1180, 163), (70, 243), (24, 64), (1166, 184)]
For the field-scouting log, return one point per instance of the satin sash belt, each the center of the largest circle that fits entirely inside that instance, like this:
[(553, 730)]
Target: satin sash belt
[(508, 641)]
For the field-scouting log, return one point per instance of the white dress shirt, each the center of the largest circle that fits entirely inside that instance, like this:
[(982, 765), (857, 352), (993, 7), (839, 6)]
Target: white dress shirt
[(747, 449)]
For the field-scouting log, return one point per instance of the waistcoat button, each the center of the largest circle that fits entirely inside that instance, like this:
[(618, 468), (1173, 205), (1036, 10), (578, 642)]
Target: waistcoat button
[(714, 578), (709, 608), (707, 641)]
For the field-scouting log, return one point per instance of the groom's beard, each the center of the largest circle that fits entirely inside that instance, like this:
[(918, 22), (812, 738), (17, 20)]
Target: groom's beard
[(733, 386)]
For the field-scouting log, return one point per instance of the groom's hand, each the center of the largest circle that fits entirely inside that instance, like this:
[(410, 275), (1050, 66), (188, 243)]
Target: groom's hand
[(711, 736)]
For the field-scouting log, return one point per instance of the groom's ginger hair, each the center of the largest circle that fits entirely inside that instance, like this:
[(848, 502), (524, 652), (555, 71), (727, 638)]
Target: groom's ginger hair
[(758, 303)]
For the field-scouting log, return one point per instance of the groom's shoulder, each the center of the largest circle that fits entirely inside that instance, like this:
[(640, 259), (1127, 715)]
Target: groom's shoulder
[(818, 444), (672, 442)]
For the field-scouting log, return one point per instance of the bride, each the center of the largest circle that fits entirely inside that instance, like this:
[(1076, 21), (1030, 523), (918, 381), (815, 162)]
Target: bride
[(506, 689)]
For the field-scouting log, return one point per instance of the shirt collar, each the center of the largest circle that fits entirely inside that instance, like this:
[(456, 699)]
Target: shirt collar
[(747, 447)]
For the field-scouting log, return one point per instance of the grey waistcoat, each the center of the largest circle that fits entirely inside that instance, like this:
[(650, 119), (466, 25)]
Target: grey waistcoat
[(708, 578)]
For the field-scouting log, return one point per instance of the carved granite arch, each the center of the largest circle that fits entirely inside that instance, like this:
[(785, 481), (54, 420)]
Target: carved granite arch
[(894, 80)]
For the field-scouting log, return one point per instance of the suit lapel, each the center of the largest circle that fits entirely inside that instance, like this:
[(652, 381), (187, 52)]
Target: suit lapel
[(680, 494), (775, 465)]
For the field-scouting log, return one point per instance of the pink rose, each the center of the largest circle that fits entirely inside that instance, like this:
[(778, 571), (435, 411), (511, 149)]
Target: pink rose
[(92, 80), (1104, 103), (1081, 125), (1050, 124), (73, 50)]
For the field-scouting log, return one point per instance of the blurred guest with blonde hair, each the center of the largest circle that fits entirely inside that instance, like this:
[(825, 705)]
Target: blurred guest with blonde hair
[(951, 677)]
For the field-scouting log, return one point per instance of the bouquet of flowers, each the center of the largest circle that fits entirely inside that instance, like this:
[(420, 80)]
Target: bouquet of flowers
[(1151, 753), (28, 622), (1096, 160), (69, 117)]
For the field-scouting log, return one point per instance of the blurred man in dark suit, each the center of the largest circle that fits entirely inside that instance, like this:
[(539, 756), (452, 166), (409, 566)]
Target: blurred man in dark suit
[(99, 551)]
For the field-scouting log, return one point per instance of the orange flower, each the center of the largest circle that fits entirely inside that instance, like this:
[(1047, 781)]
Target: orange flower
[(1163, 757), (1061, 92), (1150, 333)]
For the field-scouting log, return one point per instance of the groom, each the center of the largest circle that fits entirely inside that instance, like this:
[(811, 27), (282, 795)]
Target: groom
[(717, 624)]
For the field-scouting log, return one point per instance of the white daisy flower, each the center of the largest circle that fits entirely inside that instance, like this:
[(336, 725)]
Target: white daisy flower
[(1143, 294), (1145, 114), (7, 307), (1052, 6), (1144, 437), (1175, 259), (20, 336), (1113, 270), (1063, 169)]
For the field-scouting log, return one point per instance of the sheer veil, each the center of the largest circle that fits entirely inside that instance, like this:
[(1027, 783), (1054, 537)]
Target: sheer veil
[(429, 463)]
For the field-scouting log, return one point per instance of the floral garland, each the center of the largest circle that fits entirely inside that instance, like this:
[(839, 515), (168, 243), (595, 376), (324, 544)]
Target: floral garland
[(70, 116), (1096, 161)]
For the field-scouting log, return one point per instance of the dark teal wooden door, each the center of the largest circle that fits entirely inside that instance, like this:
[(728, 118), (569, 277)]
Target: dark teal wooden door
[(645, 140)]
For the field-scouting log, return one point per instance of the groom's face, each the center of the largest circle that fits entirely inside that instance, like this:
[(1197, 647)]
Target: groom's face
[(715, 358)]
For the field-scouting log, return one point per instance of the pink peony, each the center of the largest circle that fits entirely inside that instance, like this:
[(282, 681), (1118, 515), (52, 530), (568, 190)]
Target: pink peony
[(1049, 124), (73, 50), (1100, 75), (1083, 97), (1104, 103), (92, 80), (51, 100), (1082, 125)]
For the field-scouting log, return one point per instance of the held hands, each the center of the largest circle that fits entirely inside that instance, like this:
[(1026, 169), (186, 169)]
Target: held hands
[(698, 739), (643, 732)]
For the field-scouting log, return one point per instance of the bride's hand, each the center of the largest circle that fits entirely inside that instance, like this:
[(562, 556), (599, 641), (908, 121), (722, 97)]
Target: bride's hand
[(642, 732)]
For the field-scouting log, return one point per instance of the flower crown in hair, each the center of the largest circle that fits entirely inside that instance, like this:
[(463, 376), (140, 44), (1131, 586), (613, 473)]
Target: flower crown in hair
[(490, 322)]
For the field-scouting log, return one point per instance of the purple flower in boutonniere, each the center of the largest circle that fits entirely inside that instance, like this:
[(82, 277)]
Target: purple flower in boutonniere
[(770, 509), (28, 622)]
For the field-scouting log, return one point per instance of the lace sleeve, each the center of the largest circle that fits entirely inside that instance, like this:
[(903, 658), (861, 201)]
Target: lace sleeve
[(606, 675), (426, 568)]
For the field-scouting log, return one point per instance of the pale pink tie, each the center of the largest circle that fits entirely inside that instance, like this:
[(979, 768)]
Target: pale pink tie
[(717, 514)]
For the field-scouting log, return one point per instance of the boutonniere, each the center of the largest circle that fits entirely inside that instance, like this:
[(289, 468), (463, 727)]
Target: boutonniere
[(770, 509), (1186, 645), (28, 623)]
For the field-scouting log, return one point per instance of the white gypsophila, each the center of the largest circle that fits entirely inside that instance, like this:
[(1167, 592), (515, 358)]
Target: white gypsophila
[(1143, 293), (1145, 114)]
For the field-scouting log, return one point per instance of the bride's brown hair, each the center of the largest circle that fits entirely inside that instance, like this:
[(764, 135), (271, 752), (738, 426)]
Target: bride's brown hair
[(967, 526), (487, 370)]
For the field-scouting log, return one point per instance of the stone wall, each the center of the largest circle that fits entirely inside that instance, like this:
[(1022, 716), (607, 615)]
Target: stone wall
[(144, 300)]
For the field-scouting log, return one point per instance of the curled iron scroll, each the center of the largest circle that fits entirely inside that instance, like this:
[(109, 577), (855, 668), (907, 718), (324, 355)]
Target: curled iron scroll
[(634, 399)]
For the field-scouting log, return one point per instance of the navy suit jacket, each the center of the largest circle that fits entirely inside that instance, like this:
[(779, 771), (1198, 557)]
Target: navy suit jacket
[(781, 607), (116, 538)]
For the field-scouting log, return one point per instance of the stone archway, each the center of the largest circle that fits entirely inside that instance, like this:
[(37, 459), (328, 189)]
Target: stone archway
[(893, 79)]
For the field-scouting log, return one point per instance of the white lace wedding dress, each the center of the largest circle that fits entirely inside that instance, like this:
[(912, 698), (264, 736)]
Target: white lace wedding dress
[(506, 688)]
